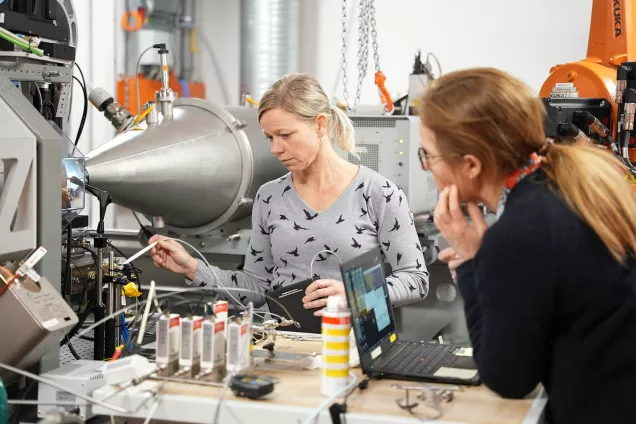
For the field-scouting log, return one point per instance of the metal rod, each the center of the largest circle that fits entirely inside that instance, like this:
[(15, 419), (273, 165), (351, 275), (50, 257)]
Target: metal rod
[(38, 402), (188, 381)]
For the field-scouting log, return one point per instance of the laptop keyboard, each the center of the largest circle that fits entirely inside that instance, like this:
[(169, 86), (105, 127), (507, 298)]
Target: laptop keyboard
[(414, 358)]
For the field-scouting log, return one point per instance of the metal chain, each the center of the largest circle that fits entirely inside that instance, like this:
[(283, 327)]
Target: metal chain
[(374, 35), (345, 80), (366, 24)]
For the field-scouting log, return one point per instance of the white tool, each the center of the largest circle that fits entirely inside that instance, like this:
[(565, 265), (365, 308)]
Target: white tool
[(138, 254)]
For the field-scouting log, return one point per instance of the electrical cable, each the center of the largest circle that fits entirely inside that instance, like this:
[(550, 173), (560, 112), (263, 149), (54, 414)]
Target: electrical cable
[(311, 265), (155, 404), (171, 294), (85, 110), (37, 90), (352, 385), (63, 389), (439, 65), (154, 46)]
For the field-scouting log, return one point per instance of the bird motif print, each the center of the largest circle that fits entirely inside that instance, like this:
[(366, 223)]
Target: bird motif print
[(266, 201), (281, 179), (284, 261), (399, 258), (286, 189), (388, 198), (269, 270), (360, 187), (359, 230), (269, 282), (298, 227), (242, 298), (271, 229), (355, 244), (340, 220), (308, 215), (283, 218), (321, 258), (234, 280), (293, 278), (411, 287), (255, 252), (364, 212), (330, 249), (387, 185), (366, 198), (376, 225), (387, 244), (418, 247), (396, 226), (263, 231), (418, 265), (259, 259), (269, 214), (316, 276), (294, 252), (310, 240), (400, 200)]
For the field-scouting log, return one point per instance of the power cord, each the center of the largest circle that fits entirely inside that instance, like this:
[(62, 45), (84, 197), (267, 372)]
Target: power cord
[(340, 409), (154, 46), (85, 110)]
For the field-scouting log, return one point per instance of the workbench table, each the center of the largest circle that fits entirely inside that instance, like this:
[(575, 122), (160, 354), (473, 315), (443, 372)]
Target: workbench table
[(297, 395)]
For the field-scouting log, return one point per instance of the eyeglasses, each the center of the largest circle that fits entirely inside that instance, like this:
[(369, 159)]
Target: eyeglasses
[(425, 158)]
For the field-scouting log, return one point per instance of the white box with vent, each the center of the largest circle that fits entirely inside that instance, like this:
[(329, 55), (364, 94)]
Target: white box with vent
[(391, 144)]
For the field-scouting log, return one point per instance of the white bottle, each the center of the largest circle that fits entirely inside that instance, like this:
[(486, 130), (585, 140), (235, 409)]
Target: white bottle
[(336, 327)]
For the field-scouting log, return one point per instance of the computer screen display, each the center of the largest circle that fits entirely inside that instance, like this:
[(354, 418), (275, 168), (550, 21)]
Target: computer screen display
[(370, 305)]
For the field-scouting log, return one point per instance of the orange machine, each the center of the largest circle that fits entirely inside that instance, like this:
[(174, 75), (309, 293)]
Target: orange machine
[(127, 91), (609, 45)]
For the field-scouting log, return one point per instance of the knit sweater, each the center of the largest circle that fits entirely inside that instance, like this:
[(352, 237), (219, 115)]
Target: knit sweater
[(287, 234), (546, 303)]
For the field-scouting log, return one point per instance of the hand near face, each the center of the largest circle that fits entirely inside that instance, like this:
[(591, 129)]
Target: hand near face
[(451, 258), (463, 236), (317, 293)]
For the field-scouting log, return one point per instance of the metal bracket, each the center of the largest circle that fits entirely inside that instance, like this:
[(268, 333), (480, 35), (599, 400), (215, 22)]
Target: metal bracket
[(35, 72)]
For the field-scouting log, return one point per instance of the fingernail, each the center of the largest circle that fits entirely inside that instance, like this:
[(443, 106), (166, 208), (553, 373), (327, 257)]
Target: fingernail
[(304, 300)]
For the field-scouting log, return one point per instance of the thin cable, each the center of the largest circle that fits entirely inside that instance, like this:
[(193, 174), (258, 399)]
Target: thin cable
[(439, 65), (37, 89), (137, 77), (64, 389), (167, 295), (311, 265), (332, 399), (85, 110), (218, 280), (155, 404)]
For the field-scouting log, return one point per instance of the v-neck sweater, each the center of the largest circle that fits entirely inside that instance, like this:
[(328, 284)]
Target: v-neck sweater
[(371, 213)]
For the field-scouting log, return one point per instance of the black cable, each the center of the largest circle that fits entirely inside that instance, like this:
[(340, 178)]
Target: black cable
[(68, 281), (85, 111), (135, 270), (73, 351)]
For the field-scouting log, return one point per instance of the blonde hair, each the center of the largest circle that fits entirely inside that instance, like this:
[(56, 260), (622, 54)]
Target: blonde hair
[(495, 117), (302, 95)]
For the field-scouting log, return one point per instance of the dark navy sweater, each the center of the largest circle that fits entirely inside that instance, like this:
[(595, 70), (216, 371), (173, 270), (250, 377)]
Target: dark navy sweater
[(546, 303)]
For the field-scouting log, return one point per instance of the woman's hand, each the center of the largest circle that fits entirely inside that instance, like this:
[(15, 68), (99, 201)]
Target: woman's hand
[(451, 258), (171, 255), (317, 293), (464, 237)]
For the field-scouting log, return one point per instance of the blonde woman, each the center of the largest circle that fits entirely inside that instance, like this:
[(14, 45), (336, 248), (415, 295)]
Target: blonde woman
[(550, 288), (323, 203)]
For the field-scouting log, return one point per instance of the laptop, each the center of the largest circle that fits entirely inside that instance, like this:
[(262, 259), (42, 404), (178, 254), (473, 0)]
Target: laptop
[(382, 353), (291, 297)]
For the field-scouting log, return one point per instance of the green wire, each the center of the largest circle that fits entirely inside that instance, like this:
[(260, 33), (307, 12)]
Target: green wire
[(4, 407), (21, 44)]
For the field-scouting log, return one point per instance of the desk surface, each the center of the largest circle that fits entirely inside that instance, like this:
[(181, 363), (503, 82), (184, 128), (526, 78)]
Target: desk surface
[(297, 394)]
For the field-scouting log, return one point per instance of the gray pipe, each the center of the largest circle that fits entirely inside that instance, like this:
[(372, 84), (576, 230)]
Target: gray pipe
[(269, 43), (186, 23)]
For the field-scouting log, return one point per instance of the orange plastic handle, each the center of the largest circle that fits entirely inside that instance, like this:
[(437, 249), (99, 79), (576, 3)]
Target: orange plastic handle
[(138, 18), (385, 97)]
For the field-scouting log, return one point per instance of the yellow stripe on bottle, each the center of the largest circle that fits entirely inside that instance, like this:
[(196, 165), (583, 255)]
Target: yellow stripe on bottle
[(337, 359), (336, 346), (336, 373), (336, 332)]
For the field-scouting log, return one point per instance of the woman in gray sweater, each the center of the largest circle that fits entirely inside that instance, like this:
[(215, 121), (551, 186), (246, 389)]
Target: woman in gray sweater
[(323, 203)]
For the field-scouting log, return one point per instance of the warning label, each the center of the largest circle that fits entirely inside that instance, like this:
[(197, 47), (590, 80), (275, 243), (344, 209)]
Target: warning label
[(564, 90)]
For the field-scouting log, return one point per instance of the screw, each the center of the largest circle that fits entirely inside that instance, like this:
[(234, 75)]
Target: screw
[(202, 244), (602, 103)]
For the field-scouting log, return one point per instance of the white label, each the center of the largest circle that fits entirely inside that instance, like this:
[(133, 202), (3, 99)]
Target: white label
[(465, 351), (50, 323), (33, 275), (564, 85), (34, 258), (455, 373), (162, 339), (376, 352), (186, 339)]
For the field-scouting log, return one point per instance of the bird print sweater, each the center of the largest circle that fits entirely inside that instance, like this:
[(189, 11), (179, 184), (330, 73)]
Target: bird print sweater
[(287, 234)]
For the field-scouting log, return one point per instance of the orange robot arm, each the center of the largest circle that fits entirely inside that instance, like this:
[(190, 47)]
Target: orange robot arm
[(609, 45)]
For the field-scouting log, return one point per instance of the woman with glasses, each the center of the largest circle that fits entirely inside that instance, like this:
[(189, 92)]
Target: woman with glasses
[(324, 207), (550, 287)]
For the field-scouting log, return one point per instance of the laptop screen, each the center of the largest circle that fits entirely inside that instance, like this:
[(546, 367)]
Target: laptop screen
[(370, 306)]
